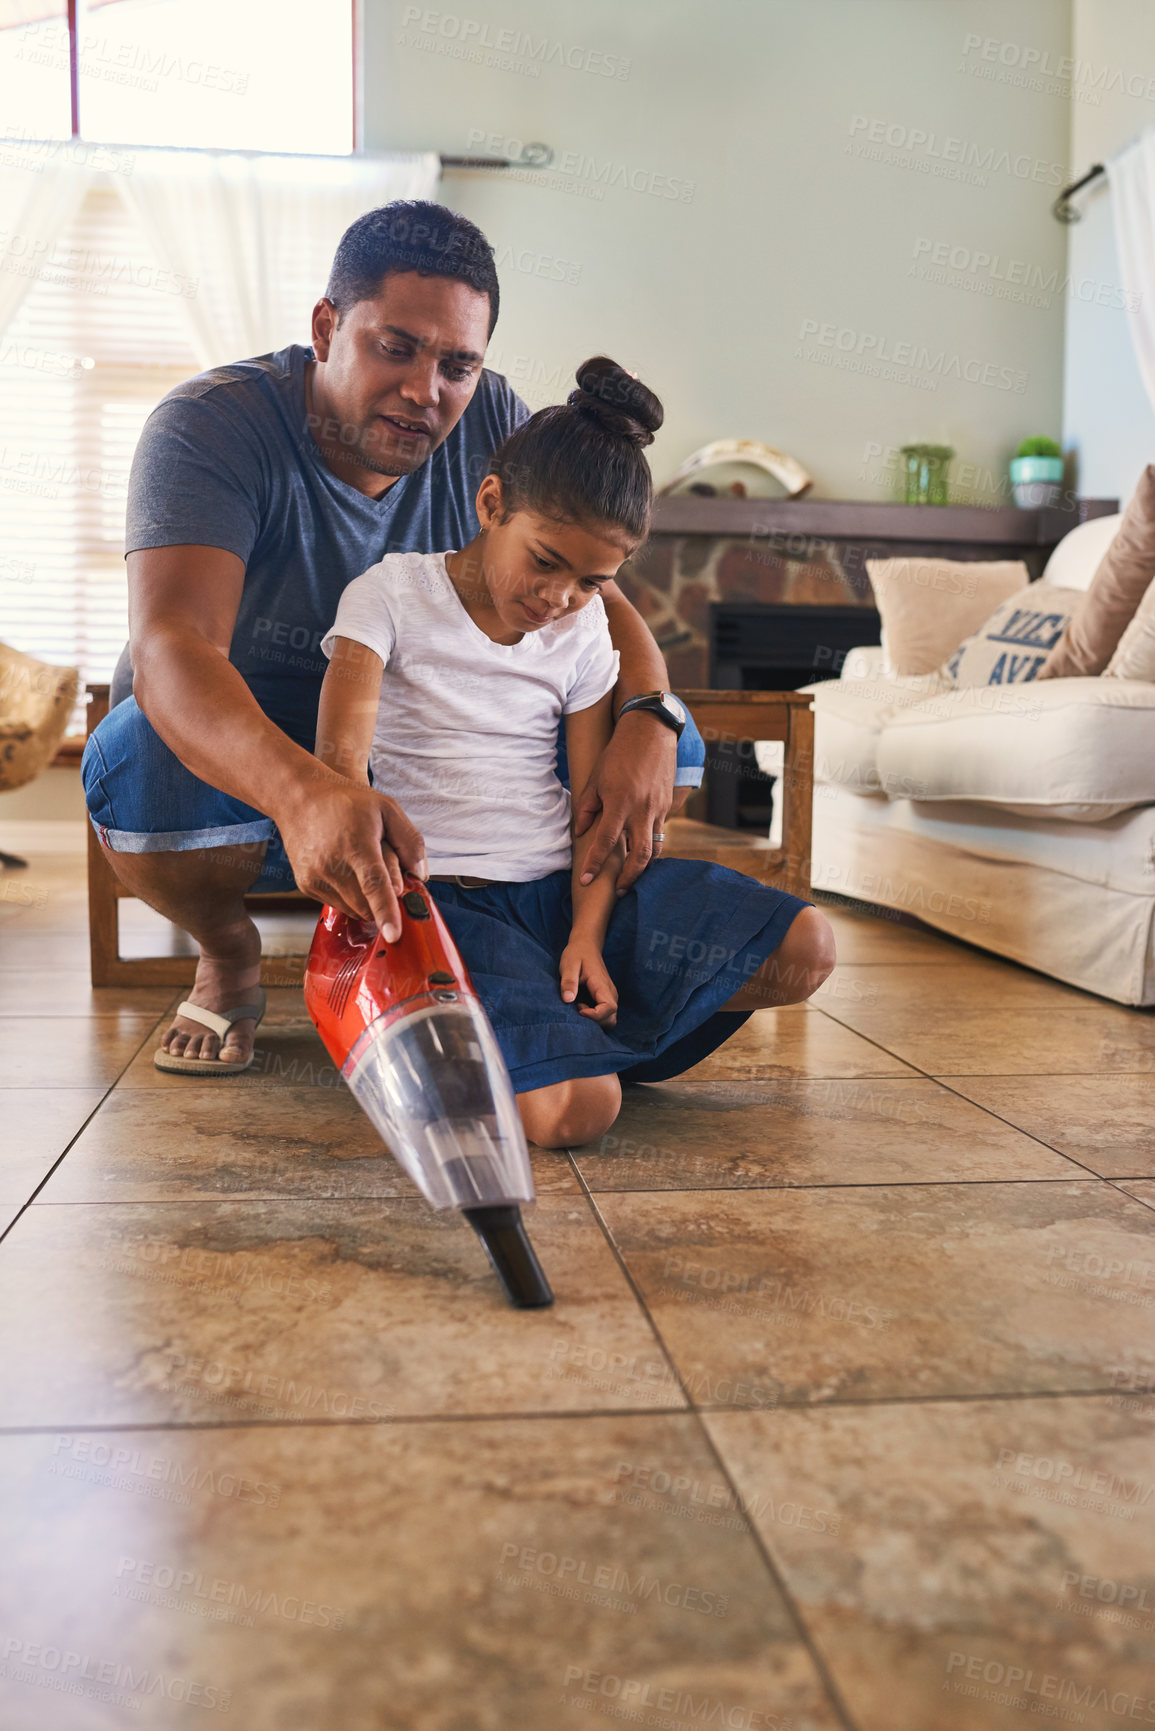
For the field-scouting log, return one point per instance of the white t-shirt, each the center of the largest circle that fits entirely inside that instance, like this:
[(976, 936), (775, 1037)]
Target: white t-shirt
[(466, 734)]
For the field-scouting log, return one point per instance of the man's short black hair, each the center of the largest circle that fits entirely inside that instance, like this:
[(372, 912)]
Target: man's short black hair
[(410, 235)]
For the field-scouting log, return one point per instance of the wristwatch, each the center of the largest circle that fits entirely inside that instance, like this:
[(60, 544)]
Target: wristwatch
[(663, 704)]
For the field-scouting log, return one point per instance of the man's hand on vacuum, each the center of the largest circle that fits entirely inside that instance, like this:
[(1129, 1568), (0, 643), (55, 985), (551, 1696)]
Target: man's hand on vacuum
[(348, 845), (629, 793)]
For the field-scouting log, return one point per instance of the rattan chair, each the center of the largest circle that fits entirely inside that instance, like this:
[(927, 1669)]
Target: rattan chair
[(36, 701)]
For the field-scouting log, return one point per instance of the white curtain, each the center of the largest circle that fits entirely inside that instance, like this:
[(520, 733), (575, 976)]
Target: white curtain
[(251, 238), (1131, 176), (41, 189)]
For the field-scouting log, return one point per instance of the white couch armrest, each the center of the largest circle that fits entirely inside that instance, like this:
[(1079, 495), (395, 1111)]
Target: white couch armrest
[(865, 663)]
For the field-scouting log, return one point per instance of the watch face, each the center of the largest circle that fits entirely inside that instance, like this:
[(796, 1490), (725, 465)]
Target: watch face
[(670, 702)]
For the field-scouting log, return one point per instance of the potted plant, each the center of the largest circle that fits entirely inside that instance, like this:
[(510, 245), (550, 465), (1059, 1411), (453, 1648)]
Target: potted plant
[(1037, 473)]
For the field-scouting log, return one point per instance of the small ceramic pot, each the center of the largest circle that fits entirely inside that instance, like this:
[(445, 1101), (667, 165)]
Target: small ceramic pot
[(1036, 481)]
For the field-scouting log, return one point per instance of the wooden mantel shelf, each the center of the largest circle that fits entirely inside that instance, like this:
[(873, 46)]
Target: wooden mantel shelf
[(858, 519)]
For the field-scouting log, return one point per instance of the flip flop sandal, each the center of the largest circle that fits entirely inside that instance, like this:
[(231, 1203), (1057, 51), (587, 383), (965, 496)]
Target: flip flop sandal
[(219, 1025)]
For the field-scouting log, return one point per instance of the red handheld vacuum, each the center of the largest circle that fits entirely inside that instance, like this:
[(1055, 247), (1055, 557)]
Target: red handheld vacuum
[(404, 1026)]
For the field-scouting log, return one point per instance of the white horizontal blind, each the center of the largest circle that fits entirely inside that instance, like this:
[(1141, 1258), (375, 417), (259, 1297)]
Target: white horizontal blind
[(97, 342)]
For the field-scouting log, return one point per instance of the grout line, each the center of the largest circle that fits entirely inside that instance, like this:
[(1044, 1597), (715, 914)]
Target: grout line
[(564, 1415), (940, 1082), (805, 1637), (148, 1035), (1080, 1165)]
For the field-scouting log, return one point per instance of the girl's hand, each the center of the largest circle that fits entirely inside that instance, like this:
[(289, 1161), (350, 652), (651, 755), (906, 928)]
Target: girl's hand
[(582, 965)]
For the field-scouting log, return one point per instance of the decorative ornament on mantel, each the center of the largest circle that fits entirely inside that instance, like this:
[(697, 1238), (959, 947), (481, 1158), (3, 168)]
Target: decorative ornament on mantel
[(785, 470)]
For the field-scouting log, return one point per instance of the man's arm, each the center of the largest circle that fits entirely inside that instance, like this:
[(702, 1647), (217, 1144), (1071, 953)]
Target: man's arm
[(632, 786), (183, 604)]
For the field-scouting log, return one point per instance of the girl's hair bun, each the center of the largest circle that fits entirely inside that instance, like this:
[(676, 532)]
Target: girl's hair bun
[(620, 404)]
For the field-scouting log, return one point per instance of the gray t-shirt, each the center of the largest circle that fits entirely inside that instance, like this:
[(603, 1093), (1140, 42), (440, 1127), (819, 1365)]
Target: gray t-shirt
[(227, 460)]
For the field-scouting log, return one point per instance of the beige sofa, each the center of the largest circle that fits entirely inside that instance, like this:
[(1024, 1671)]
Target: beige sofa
[(1020, 818)]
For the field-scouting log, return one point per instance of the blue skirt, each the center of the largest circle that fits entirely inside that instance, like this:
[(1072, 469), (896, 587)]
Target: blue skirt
[(679, 945)]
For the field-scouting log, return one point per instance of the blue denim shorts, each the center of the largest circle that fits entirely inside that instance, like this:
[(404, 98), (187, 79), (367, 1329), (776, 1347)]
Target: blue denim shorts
[(141, 798)]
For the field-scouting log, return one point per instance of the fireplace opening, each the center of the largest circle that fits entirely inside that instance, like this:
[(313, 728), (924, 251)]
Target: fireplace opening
[(766, 646)]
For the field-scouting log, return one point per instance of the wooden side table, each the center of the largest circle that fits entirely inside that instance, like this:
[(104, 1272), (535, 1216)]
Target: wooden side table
[(731, 718), (106, 892)]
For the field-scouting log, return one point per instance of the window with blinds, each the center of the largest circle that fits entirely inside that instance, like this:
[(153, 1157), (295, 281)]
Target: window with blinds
[(93, 348)]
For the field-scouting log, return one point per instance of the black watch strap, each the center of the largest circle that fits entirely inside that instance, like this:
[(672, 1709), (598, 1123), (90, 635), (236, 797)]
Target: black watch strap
[(663, 704)]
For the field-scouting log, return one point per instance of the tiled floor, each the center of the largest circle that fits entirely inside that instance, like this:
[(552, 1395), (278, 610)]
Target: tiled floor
[(844, 1416)]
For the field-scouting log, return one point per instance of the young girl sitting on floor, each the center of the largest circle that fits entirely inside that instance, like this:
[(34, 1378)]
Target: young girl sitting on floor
[(448, 674)]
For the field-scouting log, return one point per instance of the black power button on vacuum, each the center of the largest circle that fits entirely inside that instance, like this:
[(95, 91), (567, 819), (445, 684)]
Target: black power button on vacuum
[(414, 904), (441, 978)]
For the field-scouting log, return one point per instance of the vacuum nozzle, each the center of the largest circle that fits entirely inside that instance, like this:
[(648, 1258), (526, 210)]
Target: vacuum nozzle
[(502, 1232)]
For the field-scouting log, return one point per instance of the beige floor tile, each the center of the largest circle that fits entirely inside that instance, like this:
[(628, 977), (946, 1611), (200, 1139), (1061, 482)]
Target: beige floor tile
[(972, 1039), (39, 1123), (69, 1051), (973, 1567), (484, 1576), (891, 1292), (722, 1135), (1143, 1189), (968, 982), (798, 1041), (51, 946), (199, 1141), (1107, 1123), (873, 936), (202, 1311), (69, 992)]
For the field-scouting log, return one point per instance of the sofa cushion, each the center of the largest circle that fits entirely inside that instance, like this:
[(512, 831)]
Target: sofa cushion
[(1012, 645), (1118, 586), (1077, 749), (1134, 658), (928, 605), (849, 715), (1075, 559)]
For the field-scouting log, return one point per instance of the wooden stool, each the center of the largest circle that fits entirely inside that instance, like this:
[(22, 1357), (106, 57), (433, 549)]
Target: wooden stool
[(105, 892)]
